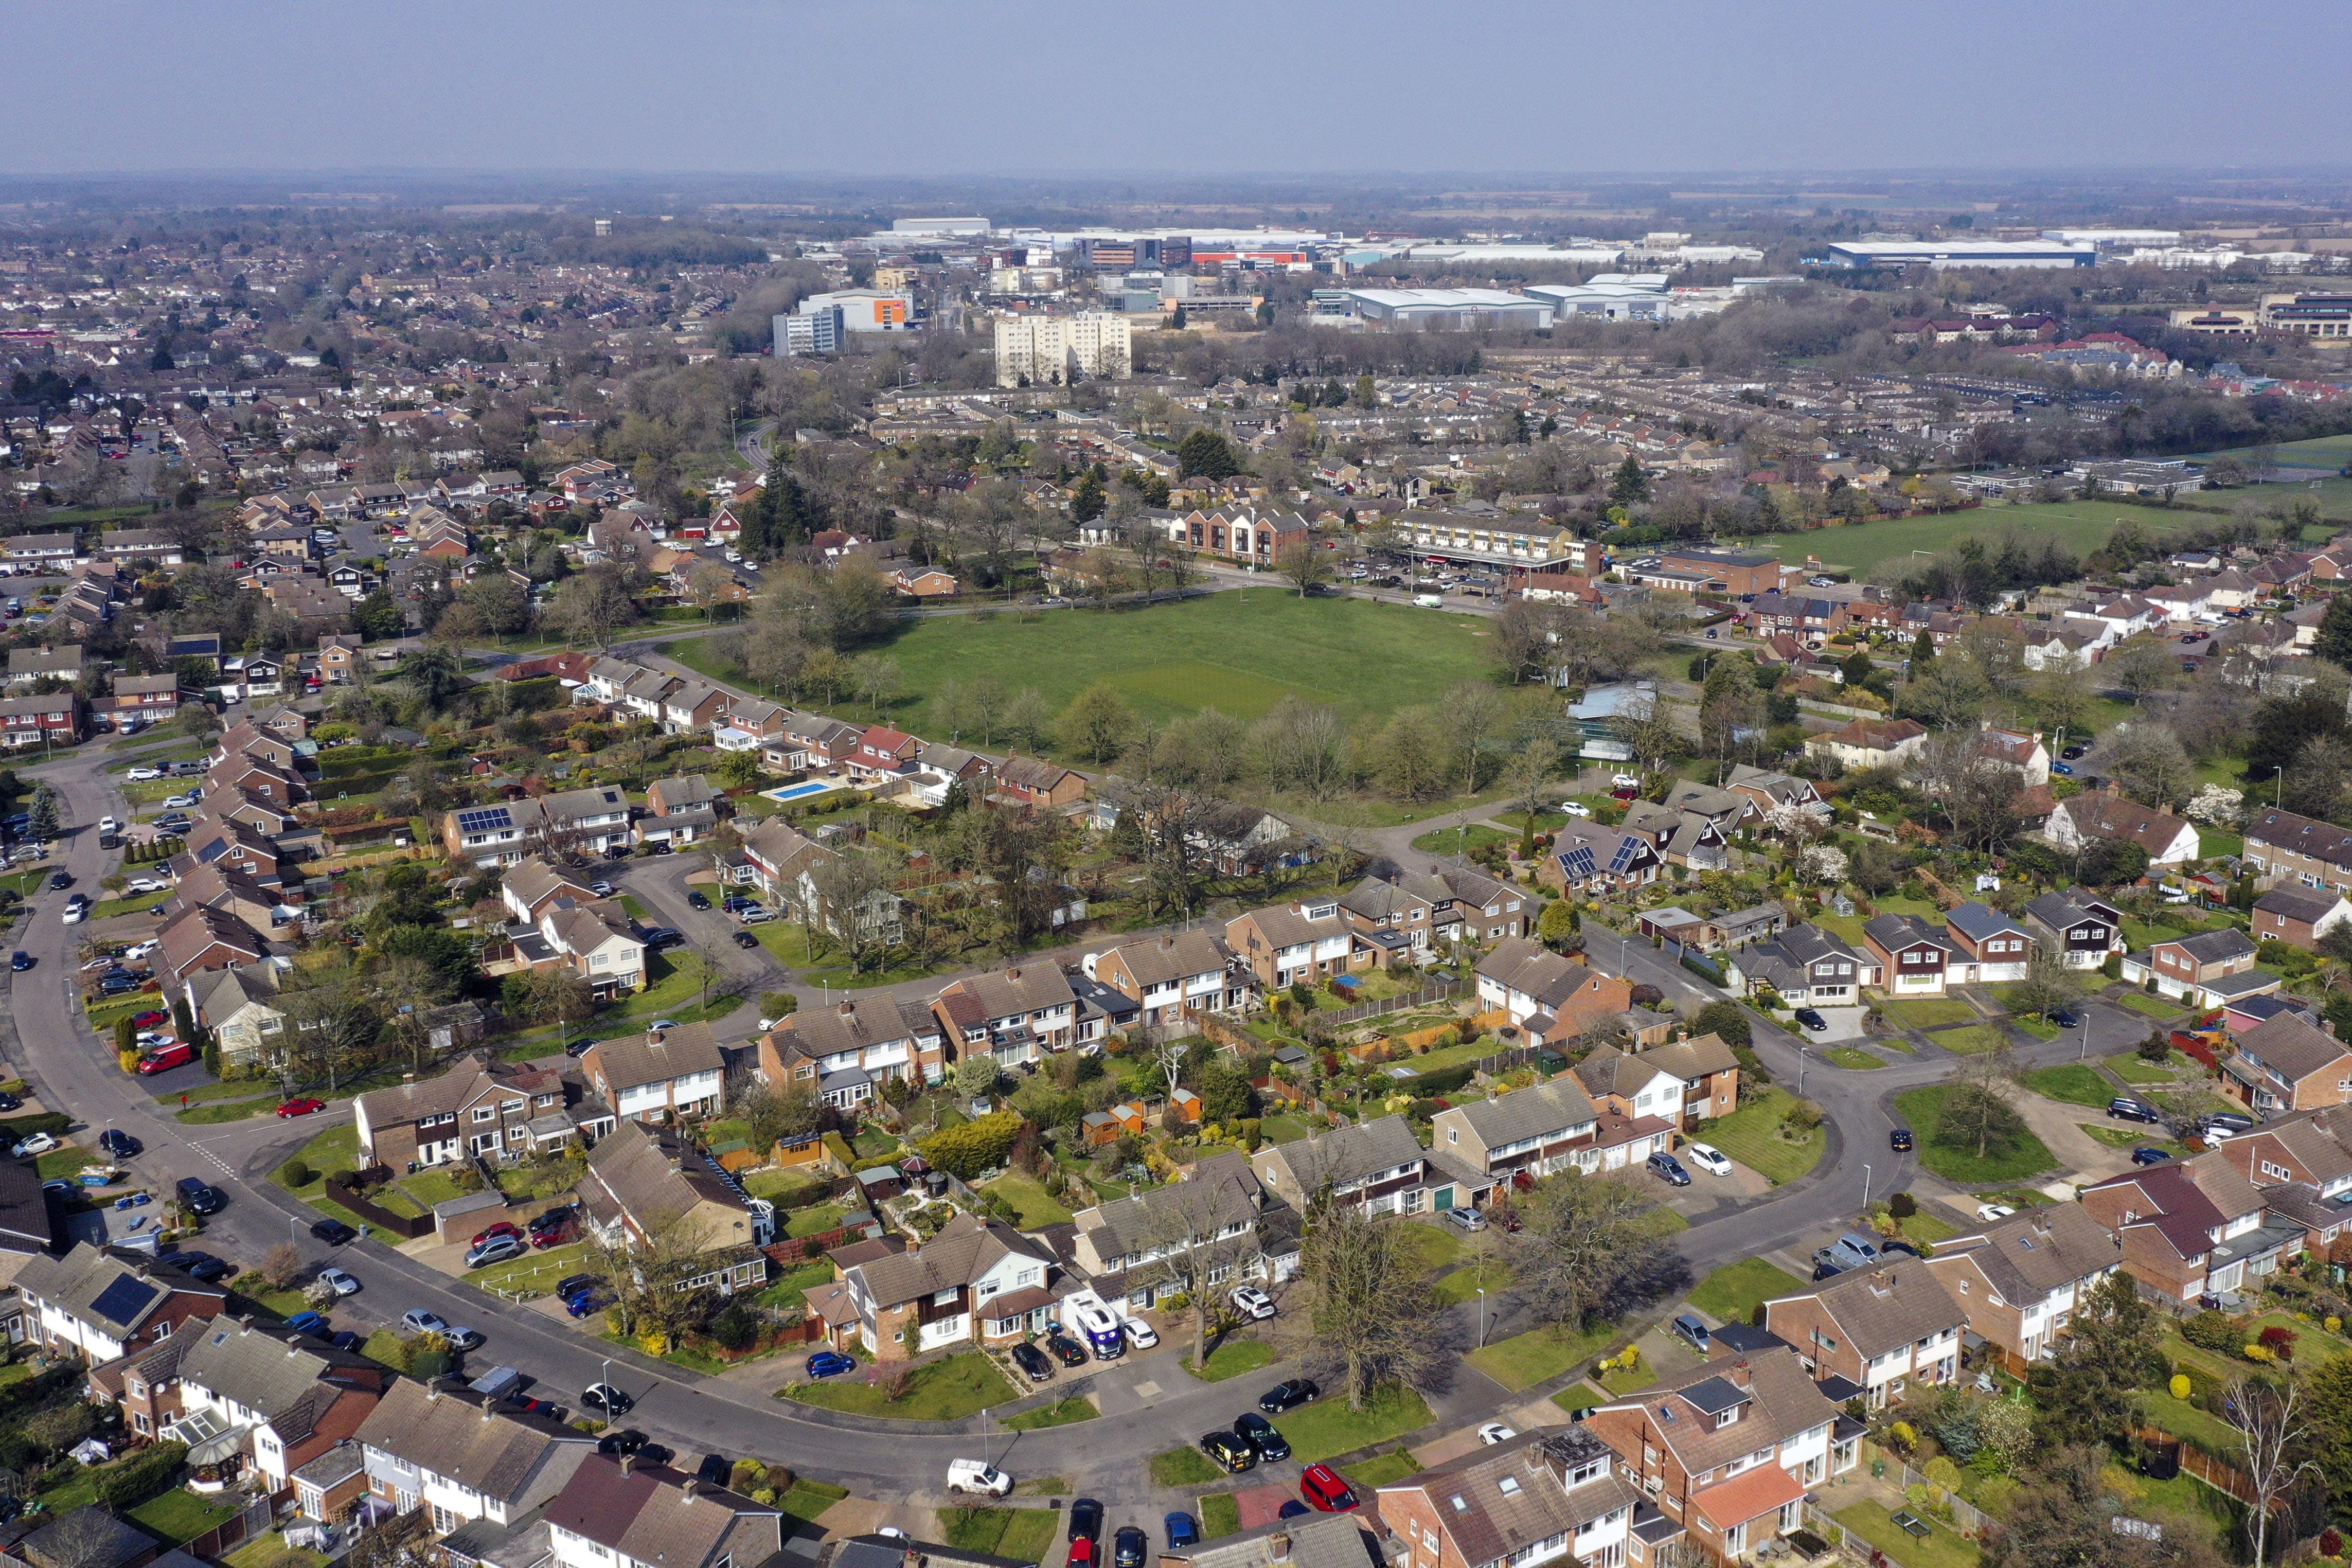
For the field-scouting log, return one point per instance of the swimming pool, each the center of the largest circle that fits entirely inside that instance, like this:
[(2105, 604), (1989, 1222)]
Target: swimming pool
[(799, 791)]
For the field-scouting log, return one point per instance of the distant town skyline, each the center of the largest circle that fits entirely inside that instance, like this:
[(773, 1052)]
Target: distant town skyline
[(904, 89)]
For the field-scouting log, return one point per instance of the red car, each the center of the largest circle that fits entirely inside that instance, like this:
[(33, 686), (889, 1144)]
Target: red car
[(148, 1020), (504, 1227), (301, 1107), (1320, 1485), (1082, 1553)]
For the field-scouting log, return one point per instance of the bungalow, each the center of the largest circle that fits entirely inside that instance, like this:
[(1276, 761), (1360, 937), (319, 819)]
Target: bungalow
[(1588, 858), (2165, 840)]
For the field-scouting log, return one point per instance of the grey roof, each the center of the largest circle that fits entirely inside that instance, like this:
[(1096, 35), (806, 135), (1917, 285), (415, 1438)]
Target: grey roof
[(1534, 1111), (2214, 946), (658, 1056), (2060, 912), (1889, 1304), (1514, 1495), (1343, 1155), (466, 1435), (1156, 959), (1310, 1541), (2298, 903), (1976, 923), (105, 1288), (1896, 932), (966, 1248), (2028, 1255), (89, 1537), (2294, 1047), (1521, 964), (1223, 1188)]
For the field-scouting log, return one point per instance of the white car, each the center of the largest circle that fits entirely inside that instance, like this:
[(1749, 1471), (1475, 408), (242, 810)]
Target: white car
[(75, 913), (38, 1143), (1495, 1432), (1707, 1158), (1994, 1211), (150, 1038), (138, 951), (146, 885), (340, 1283), (1252, 1302), (462, 1339), (143, 775), (177, 801), (1624, 781), (1141, 1334), (977, 1476), (1574, 808), (108, 825)]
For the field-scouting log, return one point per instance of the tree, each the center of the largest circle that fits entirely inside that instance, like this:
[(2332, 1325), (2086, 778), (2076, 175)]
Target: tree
[(2088, 1388), (652, 1275), (876, 677), (1409, 754), (2140, 667), (976, 1074), (1370, 1306), (1528, 777), (709, 585), (1731, 711), (379, 618), (1593, 1248), (2062, 1517), (1725, 1020), (1305, 564), (1474, 712), (1976, 1113), (2273, 1420), (41, 815), (1087, 497), (590, 606), (2149, 762), (1182, 1226), (2049, 986), (2335, 638), (1205, 455), (1097, 722), (281, 1266), (433, 674), (853, 911), (1629, 485)]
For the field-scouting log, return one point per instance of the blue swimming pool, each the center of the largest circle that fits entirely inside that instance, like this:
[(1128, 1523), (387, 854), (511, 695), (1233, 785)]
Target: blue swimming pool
[(798, 791)]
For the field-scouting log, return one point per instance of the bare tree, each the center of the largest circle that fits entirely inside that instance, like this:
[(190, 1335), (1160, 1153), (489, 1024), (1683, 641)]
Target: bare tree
[(652, 1274), (1306, 565), (2274, 1434), (1475, 713), (1590, 1238), (1371, 1309), (854, 907), (1194, 1235)]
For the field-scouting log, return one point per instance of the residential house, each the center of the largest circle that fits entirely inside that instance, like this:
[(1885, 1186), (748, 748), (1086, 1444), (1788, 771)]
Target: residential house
[(591, 820), (2207, 970), (1809, 967), (1377, 1167), (1912, 956), (1543, 1129), (1588, 858), (787, 866), (645, 1182), (2021, 1279), (236, 845), (202, 938), (145, 696), (976, 1279), (1012, 1012), (1170, 976), (682, 810), (2166, 839), (2299, 916), (2282, 846), (226, 887), (27, 664), (2081, 928), (102, 1303), (1682, 931), (1553, 1497), (339, 657), (1989, 947), (239, 1006), (2022, 754), (1880, 1328), (1726, 808), (465, 1454), (1681, 837), (1299, 943), (476, 1108), (598, 940), (1870, 743), (2289, 1063), (531, 884), (1214, 1226), (1685, 1082), (1769, 791), (848, 1049), (1036, 782), (50, 719), (1307, 1541), (1551, 997), (2193, 1228), (625, 1512), (882, 751), (1725, 1453), (660, 1074)]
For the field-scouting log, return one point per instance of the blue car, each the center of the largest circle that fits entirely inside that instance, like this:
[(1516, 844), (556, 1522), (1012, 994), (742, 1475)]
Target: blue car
[(309, 1323), (1182, 1530), (2061, 768), (20, 961), (584, 1303), (2147, 1155), (830, 1364)]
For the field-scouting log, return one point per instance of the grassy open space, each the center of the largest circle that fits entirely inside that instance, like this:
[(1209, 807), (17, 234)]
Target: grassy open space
[(1940, 1548), (1240, 653), (1850, 1057), (1034, 1206), (2080, 526), (1025, 1534), (1925, 1012), (181, 1515), (1972, 1041), (947, 1390), (1068, 1412), (1231, 1359), (2132, 1067), (1731, 1292), (2076, 1083), (2159, 1007), (1539, 1354), (1751, 1135), (1184, 1467), (1923, 1111), (533, 1274), (1327, 1426)]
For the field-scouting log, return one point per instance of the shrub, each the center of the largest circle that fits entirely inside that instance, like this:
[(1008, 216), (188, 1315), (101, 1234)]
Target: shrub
[(297, 1173), (2211, 1331), (1727, 1020), (1942, 1472), (2155, 1048), (2179, 1386), (2279, 1341), (142, 1476), (1902, 1205), (1903, 1437)]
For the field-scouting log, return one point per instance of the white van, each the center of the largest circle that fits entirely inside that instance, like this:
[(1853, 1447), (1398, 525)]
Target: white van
[(977, 1476), (1428, 602)]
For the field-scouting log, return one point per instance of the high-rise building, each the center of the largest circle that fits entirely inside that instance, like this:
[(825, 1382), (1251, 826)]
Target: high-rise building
[(1043, 350), (809, 331)]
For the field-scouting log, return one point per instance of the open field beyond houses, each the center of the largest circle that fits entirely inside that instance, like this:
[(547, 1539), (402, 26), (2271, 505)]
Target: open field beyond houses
[(2081, 526)]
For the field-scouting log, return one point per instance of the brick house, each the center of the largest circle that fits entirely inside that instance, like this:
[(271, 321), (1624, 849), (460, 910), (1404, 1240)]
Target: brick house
[(1808, 966), (52, 720), (202, 938), (977, 1279), (2283, 846), (1586, 857), (464, 1456), (495, 1109), (1912, 954), (643, 1181), (2289, 1063), (1167, 976), (2299, 916), (1990, 947), (1547, 1497), (1033, 780), (1541, 1130), (105, 1302), (2191, 1228), (1378, 1166), (2022, 1278), (2083, 929), (1879, 1328), (1551, 997), (1286, 945), (1014, 1010), (2207, 970), (1686, 1082), (1870, 743), (848, 1049), (1218, 1218), (659, 1075)]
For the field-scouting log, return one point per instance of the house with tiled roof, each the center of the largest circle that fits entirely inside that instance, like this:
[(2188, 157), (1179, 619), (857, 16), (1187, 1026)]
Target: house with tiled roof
[(2022, 1278), (2192, 1228), (1914, 956), (1219, 1216), (1548, 994), (2289, 1063), (1168, 975), (2083, 929), (1990, 947), (2210, 969), (1870, 743), (2282, 845), (464, 1456), (976, 1279), (1378, 1166), (848, 1050), (2299, 916), (1543, 1129), (239, 1006), (534, 882), (478, 1107), (1301, 942), (202, 938), (644, 1182), (680, 810), (1558, 1496), (659, 1075), (1015, 1011), (104, 1303), (1685, 1082), (1726, 1453), (2165, 840), (1586, 857), (1882, 1327), (626, 1513)]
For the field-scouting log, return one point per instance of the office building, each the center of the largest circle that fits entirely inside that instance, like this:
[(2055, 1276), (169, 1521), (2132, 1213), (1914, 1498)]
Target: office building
[(808, 331), (1046, 350), (2312, 315)]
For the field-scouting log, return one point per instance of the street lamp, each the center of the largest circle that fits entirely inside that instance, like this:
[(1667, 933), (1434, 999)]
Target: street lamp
[(1865, 1188), (1801, 1072), (1482, 1320), (2083, 1023)]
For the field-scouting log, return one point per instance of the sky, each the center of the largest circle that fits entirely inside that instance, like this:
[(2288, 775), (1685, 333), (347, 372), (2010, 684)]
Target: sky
[(1029, 88)]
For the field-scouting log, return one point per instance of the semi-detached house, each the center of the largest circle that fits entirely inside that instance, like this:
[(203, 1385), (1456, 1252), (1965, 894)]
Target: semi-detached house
[(848, 1050), (1300, 944), (1166, 976), (103, 1302), (2193, 1228), (1215, 1224), (2021, 1279), (1543, 1129), (1551, 997), (1378, 1166), (1685, 1082), (642, 1183), (1016, 1010), (977, 1277), (660, 1074), (2289, 1063), (2282, 846), (593, 819), (1880, 1329), (478, 1107), (464, 1456), (627, 1513), (1555, 1497)]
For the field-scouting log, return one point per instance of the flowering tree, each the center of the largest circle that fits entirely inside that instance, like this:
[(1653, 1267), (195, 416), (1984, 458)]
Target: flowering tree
[(1794, 824), (2216, 807), (1822, 863)]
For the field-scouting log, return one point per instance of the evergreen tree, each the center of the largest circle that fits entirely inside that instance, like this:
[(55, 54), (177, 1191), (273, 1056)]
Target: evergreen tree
[(1923, 653), (1205, 455), (1520, 433), (2336, 632), (1629, 483), (1087, 497), (2088, 1392)]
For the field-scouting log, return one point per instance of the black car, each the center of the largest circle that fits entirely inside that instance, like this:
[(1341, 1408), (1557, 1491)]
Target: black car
[(698, 900), (334, 1232), (1228, 1452), (657, 937), (571, 1284), (1812, 1020), (1085, 1520), (1288, 1395), (1899, 1139), (717, 1469), (2124, 1108), (578, 1047), (1032, 1361), (2072, 754), (1065, 1350), (551, 1221), (746, 940), (200, 1195), (2063, 1018), (9, 1101), (604, 1397), (627, 1440), (1127, 1547), (1826, 1271), (118, 1144), (1264, 1440), (60, 881)]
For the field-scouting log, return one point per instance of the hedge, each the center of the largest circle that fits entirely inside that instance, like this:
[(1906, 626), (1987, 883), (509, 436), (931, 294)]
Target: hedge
[(142, 1476), (1428, 1085), (15, 1127), (978, 1146)]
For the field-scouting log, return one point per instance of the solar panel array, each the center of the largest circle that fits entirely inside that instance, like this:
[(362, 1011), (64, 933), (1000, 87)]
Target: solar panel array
[(122, 1301), (489, 820)]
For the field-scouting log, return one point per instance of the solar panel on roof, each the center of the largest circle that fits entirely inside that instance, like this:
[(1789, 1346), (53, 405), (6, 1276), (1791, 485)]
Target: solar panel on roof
[(122, 1301), (486, 821)]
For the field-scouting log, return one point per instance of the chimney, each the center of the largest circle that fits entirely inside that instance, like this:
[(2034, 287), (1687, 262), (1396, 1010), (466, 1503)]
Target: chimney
[(1278, 1546), (1011, 974), (914, 1245), (653, 1036), (626, 1461), (1740, 1376), (848, 1009), (692, 1487)]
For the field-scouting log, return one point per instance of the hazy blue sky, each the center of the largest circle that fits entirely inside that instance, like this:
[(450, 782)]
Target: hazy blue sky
[(900, 86)]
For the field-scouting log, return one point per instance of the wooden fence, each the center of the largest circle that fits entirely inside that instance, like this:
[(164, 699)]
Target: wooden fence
[(2218, 1474), (1444, 991), (340, 1191)]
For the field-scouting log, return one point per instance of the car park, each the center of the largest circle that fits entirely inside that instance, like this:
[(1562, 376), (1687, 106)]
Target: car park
[(1707, 1158), (304, 1106), (1032, 1362), (1320, 1485), (1288, 1395), (1228, 1452), (1269, 1445), (1668, 1169), (340, 1283), (1812, 1019), (1252, 1302)]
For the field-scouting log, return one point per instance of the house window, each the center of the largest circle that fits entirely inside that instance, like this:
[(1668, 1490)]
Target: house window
[(484, 1112)]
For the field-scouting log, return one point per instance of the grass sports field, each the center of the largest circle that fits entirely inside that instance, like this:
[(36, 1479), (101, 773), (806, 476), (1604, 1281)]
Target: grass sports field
[(2081, 526), (1238, 653)]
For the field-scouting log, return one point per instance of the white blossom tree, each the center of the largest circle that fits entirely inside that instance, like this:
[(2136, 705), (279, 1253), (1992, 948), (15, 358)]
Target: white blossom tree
[(1822, 863), (2215, 806)]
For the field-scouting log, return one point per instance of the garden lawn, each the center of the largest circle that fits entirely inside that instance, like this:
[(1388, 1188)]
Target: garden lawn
[(1475, 835), (2132, 1067), (336, 1149), (1751, 1136), (2076, 1083), (2126, 1138), (1924, 1011), (812, 1221), (1923, 1111), (1025, 1534), (1381, 1469), (1231, 1359), (1578, 1396), (1539, 1354), (181, 1515), (808, 1498), (1429, 1245), (1463, 1283), (1973, 1041), (792, 1290), (1328, 1428), (950, 1390), (1030, 1201), (2160, 1007), (1219, 1515), (1068, 1412), (533, 1275), (1939, 1548), (1848, 1056), (786, 1188), (1731, 1292)]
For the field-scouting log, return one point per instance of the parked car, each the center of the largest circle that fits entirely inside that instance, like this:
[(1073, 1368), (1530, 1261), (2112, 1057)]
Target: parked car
[(1812, 1020), (167, 1058), (1259, 1433), (333, 1232), (417, 1320), (977, 1476), (498, 1249), (1495, 1432), (627, 1440), (1668, 1169), (310, 1323), (572, 1284), (1128, 1547), (600, 888), (1228, 1452), (744, 939), (1995, 1211), (2123, 1108), (695, 900), (20, 961), (1288, 1395), (2148, 1154), (1181, 1530), (757, 916), (1032, 1362), (149, 1019), (340, 1283), (1707, 1158), (1066, 1351), (1320, 1485), (464, 1338), (503, 1228), (1693, 1332), (603, 1396), (1467, 1219), (201, 1196), (306, 1106), (1139, 1334), (582, 1303), (1252, 1302)]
